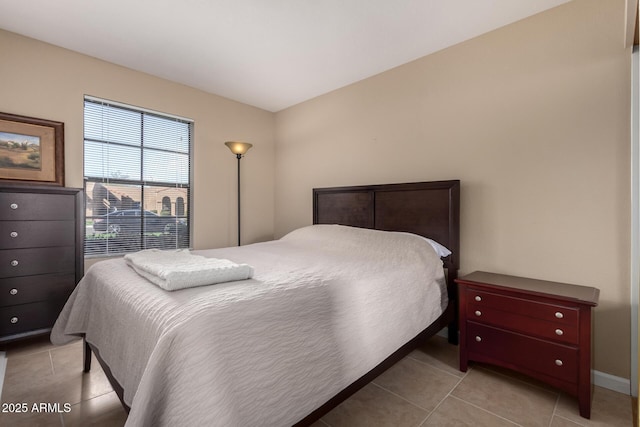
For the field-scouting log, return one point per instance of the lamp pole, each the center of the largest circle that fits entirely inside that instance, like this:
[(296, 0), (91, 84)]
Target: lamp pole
[(239, 149), (239, 156)]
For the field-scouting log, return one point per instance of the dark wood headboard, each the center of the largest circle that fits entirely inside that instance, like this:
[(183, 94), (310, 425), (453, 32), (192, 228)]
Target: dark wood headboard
[(429, 209)]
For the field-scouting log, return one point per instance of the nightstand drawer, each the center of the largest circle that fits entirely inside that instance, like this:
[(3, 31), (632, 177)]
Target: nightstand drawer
[(547, 358), (36, 234), (554, 331), (36, 206), (27, 317), (26, 289), (525, 307), (26, 262)]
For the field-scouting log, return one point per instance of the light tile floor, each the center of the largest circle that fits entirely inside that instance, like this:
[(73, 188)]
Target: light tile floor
[(424, 389)]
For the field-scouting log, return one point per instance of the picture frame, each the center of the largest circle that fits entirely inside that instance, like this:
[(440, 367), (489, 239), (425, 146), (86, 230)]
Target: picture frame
[(31, 150)]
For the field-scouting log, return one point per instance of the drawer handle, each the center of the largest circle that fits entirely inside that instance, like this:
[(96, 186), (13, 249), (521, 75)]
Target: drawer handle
[(14, 263), (478, 313), (559, 315), (478, 298), (559, 362), (13, 234), (14, 320), (478, 338), (13, 206), (13, 291), (559, 332)]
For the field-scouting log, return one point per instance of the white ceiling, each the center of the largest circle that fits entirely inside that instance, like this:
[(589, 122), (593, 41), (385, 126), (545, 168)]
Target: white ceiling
[(268, 53)]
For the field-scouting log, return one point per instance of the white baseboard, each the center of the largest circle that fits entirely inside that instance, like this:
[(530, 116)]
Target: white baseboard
[(621, 385), (611, 382), (3, 368)]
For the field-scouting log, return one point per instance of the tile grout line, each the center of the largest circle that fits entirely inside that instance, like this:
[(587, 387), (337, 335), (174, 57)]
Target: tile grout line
[(509, 377), (570, 420), (324, 422), (398, 396), (450, 394), (442, 400), (435, 367), (53, 370), (37, 350), (460, 379), (553, 413), (504, 375), (486, 410), (464, 375), (553, 390)]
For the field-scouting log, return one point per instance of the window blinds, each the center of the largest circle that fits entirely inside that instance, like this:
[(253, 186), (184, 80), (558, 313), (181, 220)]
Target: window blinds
[(137, 169)]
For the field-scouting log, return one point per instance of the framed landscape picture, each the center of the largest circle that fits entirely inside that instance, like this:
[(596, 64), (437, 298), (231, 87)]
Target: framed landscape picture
[(31, 150)]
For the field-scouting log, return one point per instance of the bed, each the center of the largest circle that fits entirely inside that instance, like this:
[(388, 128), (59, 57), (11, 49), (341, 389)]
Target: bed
[(326, 311)]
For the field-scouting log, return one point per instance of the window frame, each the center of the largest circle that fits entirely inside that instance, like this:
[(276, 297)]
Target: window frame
[(142, 183)]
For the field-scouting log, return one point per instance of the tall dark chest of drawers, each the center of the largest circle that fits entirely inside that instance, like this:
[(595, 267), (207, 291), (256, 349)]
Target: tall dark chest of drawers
[(41, 256)]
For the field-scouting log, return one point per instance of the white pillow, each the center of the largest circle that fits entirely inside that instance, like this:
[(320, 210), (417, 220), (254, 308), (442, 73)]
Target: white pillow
[(441, 250)]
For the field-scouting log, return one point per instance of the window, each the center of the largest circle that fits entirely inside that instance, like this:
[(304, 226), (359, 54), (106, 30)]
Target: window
[(136, 179)]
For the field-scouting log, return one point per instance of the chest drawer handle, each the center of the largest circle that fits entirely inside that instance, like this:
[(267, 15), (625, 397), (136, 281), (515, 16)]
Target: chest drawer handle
[(13, 234), (14, 320), (14, 263), (559, 315), (478, 313), (13, 291), (478, 298), (559, 362), (559, 332), (13, 206), (478, 338)]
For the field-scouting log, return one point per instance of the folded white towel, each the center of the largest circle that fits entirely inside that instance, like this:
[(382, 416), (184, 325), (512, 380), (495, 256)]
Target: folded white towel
[(172, 270)]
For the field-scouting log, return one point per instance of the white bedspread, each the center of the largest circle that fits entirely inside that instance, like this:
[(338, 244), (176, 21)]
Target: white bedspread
[(326, 304), (179, 269)]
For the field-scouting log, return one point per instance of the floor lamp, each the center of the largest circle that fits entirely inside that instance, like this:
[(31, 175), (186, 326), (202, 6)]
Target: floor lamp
[(239, 149)]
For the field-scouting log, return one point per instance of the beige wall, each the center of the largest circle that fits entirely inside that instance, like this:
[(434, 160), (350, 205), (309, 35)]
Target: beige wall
[(44, 81), (533, 119)]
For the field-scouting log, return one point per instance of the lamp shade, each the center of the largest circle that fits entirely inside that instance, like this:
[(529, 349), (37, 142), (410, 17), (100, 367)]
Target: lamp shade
[(238, 147)]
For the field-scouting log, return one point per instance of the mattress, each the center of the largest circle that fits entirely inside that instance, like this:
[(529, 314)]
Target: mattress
[(326, 304)]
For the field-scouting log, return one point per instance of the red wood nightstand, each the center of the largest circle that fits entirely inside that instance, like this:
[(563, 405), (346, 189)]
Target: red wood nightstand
[(539, 328)]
